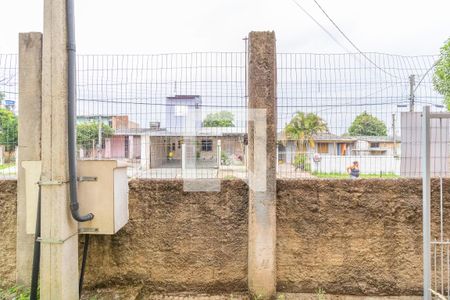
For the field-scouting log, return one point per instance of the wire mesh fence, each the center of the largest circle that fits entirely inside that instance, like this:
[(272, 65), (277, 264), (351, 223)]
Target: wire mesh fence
[(344, 116), (185, 114), (169, 115), (8, 115)]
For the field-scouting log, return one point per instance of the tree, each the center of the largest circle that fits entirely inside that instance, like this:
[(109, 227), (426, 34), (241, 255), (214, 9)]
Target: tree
[(88, 132), (303, 127), (219, 119), (8, 129), (366, 124), (441, 78)]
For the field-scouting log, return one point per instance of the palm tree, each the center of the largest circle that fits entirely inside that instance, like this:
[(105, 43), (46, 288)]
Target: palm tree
[(302, 128)]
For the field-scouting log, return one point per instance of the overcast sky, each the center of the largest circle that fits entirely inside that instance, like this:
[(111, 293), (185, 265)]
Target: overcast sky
[(409, 27)]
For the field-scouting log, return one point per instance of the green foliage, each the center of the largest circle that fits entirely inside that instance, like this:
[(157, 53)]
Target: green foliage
[(361, 176), (320, 294), (219, 119), (301, 162), (88, 132), (368, 125), (441, 78), (8, 129), (225, 159), (15, 293), (303, 127)]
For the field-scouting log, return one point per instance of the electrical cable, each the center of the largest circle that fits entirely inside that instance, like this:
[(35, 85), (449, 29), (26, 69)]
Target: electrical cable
[(36, 252), (83, 263), (320, 25), (350, 41)]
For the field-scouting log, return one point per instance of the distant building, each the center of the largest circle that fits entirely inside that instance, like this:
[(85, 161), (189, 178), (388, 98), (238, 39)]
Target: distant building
[(125, 142), (183, 113)]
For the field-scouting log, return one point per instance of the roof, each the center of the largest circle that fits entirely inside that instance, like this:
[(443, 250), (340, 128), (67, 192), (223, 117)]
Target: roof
[(203, 131), (376, 139), (183, 97), (325, 137)]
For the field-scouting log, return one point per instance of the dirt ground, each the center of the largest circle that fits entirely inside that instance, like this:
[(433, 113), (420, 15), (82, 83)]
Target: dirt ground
[(136, 293)]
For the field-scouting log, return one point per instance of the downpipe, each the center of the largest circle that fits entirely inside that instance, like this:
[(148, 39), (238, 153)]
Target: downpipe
[(71, 110)]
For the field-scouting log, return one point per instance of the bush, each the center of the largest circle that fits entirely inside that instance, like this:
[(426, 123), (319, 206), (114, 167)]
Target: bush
[(225, 159), (301, 161)]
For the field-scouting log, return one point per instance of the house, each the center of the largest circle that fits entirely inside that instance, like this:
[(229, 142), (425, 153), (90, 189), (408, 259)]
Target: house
[(377, 145), (324, 144), (125, 142), (207, 147)]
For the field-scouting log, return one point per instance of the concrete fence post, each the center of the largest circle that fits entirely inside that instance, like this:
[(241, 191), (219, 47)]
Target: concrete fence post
[(59, 232), (262, 127), (30, 80)]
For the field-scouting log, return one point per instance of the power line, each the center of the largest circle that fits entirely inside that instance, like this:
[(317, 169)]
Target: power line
[(320, 25), (350, 41), (424, 75)]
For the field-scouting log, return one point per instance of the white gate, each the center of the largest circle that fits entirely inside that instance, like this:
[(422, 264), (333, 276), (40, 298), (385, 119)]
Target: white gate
[(436, 252)]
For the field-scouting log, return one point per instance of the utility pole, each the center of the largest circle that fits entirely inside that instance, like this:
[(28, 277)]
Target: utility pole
[(393, 135), (99, 145), (412, 83)]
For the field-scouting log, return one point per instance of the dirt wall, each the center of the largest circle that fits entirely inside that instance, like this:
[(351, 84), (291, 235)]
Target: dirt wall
[(176, 241), (7, 232), (348, 237), (359, 237)]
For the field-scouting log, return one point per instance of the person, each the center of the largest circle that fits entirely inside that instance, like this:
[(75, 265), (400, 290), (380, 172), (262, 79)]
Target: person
[(353, 170)]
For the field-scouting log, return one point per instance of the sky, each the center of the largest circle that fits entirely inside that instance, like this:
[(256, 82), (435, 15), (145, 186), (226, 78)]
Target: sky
[(406, 27)]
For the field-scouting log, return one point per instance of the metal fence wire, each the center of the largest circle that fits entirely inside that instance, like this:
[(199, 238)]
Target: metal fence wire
[(185, 114)]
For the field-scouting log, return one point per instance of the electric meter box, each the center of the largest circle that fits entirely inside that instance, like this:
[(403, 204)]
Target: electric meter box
[(102, 191)]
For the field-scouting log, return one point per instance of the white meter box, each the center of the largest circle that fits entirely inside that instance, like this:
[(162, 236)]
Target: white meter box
[(102, 190), (106, 196)]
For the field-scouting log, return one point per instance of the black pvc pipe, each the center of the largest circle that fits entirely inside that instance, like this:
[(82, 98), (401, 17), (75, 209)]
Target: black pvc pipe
[(36, 252), (83, 262), (71, 110)]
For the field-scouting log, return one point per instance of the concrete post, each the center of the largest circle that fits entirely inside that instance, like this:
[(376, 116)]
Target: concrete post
[(59, 233), (262, 165), (30, 81)]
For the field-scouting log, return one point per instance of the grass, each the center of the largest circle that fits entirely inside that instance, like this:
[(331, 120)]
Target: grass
[(15, 293), (5, 166), (346, 176)]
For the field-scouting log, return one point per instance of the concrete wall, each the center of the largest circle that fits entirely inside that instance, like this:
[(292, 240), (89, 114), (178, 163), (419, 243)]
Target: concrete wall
[(358, 237)]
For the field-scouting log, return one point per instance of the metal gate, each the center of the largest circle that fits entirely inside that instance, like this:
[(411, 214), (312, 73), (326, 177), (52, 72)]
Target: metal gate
[(436, 250)]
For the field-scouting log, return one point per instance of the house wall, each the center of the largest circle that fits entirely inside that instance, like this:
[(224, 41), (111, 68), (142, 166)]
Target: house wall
[(190, 121), (158, 152), (118, 146), (136, 147), (233, 147)]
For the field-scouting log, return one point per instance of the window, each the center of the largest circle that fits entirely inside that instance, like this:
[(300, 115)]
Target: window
[(322, 148), (181, 111), (374, 145), (207, 145)]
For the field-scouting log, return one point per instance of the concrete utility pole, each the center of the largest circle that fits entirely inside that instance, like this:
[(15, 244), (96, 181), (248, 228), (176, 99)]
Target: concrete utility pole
[(412, 83), (262, 127), (30, 82), (59, 233), (393, 135)]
